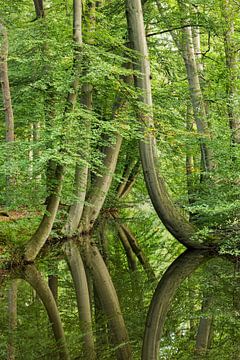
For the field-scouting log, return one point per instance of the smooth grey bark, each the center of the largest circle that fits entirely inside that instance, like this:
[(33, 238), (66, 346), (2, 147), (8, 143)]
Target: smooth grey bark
[(204, 328), (53, 286), (232, 59), (129, 177), (170, 215), (81, 169), (101, 185), (82, 294), (34, 278), (12, 315), (4, 79), (109, 301), (178, 271), (127, 247), (192, 69), (40, 236), (138, 252)]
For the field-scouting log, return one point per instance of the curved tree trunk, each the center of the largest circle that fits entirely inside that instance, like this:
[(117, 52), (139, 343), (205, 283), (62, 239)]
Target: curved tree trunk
[(170, 215), (33, 277), (43, 231), (83, 302), (182, 267), (109, 301)]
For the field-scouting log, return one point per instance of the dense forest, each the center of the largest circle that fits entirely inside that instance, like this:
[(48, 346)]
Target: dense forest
[(119, 175)]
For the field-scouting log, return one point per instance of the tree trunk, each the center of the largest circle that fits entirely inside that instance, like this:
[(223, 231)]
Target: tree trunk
[(7, 102), (204, 329), (38, 4), (167, 211), (81, 169), (203, 335), (40, 236), (33, 277), (101, 185), (53, 286), (182, 267), (12, 313), (109, 300), (231, 53), (83, 302), (128, 250), (197, 100), (139, 253)]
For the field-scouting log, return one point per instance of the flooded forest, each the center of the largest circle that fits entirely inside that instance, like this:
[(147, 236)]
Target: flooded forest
[(119, 180)]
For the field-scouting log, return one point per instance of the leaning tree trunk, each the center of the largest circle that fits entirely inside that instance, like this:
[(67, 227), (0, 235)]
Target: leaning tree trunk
[(127, 247), (83, 302), (33, 277), (40, 236), (109, 301), (170, 215), (182, 267)]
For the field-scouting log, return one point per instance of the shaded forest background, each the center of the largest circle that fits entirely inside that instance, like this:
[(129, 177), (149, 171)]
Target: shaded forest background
[(119, 175)]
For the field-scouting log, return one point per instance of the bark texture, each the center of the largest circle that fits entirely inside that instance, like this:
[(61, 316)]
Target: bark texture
[(4, 79), (83, 302), (170, 215), (110, 304)]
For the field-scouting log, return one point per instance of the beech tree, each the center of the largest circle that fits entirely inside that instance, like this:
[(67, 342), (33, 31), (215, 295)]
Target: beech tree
[(119, 161)]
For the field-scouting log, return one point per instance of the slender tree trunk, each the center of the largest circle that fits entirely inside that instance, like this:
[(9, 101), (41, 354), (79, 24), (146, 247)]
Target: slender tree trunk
[(232, 58), (127, 247), (181, 268), (81, 169), (7, 106), (197, 100), (109, 300), (43, 231), (128, 178), (83, 302), (139, 253), (204, 329), (171, 217), (33, 277), (12, 313), (188, 52), (101, 185), (7, 102), (53, 286)]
